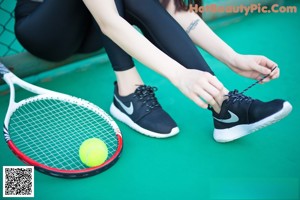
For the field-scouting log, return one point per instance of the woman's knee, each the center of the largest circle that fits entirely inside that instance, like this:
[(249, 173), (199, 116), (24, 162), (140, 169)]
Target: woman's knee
[(38, 45), (48, 35)]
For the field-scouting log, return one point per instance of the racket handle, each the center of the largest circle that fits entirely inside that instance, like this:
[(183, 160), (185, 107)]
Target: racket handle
[(3, 70)]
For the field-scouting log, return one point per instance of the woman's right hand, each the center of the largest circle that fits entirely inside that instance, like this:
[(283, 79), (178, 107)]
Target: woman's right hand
[(201, 87)]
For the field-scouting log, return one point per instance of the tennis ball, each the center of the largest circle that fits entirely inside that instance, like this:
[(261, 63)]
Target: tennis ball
[(93, 152)]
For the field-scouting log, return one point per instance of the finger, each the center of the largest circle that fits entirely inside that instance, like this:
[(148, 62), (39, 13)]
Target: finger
[(198, 101), (217, 108), (261, 69), (275, 73), (260, 78), (215, 82), (267, 79), (215, 93), (208, 98), (212, 90), (254, 75), (268, 63)]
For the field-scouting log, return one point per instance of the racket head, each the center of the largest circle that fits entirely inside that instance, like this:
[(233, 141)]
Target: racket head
[(47, 130)]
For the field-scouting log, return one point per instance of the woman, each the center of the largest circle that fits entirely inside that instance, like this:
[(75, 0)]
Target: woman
[(167, 49)]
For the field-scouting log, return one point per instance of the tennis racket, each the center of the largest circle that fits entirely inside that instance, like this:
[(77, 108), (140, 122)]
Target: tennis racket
[(46, 130)]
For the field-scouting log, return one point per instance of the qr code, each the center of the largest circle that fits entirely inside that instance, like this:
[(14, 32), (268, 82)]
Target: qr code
[(18, 181)]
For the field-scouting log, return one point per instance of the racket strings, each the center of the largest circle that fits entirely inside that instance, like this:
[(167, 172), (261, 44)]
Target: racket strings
[(51, 131)]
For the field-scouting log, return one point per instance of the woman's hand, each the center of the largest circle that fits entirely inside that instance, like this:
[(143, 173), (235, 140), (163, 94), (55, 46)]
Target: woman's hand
[(254, 66), (201, 87)]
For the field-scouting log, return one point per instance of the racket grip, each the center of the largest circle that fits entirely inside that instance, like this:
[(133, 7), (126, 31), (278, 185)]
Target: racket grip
[(3, 70)]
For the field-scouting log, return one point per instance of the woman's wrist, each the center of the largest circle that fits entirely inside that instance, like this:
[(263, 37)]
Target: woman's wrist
[(175, 74), (231, 58)]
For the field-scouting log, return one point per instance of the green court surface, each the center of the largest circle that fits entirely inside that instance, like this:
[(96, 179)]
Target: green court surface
[(191, 165)]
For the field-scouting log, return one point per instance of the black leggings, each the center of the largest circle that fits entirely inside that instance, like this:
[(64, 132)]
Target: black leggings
[(55, 29)]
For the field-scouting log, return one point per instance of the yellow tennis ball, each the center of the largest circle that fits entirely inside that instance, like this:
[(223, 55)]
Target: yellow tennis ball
[(93, 152)]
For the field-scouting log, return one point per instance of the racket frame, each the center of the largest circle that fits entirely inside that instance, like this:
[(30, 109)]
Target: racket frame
[(42, 93)]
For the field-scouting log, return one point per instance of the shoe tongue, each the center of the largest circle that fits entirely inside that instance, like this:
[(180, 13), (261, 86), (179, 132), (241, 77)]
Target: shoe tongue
[(147, 94), (140, 89), (234, 92), (238, 96), (144, 89)]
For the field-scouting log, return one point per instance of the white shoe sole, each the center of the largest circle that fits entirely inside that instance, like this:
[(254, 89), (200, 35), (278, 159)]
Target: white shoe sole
[(125, 119), (230, 134)]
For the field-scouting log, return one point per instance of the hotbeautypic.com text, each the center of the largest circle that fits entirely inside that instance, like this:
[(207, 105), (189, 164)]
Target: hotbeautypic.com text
[(246, 9)]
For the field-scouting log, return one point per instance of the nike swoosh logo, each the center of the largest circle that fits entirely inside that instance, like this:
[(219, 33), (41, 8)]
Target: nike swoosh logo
[(233, 118), (127, 109)]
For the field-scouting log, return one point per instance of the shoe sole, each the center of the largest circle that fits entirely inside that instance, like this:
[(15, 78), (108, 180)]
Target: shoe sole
[(236, 132), (126, 120)]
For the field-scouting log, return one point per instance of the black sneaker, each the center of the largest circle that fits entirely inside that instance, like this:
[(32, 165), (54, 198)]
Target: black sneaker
[(142, 112), (241, 115)]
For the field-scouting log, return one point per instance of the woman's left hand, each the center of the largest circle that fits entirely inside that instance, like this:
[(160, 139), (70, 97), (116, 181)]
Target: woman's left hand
[(254, 66)]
